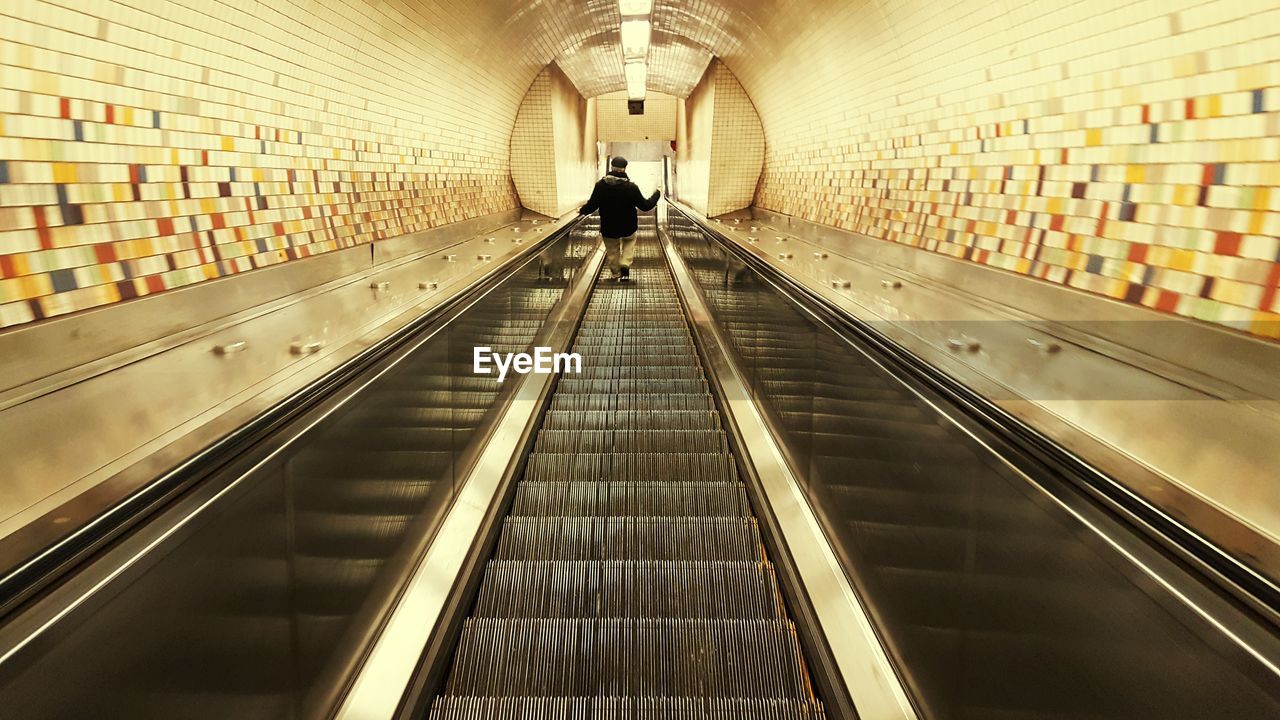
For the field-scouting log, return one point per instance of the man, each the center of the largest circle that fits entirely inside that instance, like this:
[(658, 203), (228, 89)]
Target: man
[(617, 199)]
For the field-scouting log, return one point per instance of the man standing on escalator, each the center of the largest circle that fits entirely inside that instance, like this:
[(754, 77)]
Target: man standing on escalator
[(617, 199)]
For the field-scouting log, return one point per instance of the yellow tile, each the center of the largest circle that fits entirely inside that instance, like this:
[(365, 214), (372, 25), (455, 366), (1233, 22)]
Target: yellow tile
[(1262, 198), (1213, 106), (1135, 173), (1257, 223), (1093, 137), (228, 144), (64, 173), (127, 116)]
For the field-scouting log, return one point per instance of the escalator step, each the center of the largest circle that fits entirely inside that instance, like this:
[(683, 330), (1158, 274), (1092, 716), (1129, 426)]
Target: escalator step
[(631, 441), (629, 589), (636, 658), (605, 538), (631, 467), (639, 499)]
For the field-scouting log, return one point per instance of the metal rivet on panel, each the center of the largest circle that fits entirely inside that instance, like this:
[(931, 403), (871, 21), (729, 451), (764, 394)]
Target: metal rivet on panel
[(231, 347), (820, 255), (963, 343), (491, 240), (432, 285), (380, 285), (450, 258), (1049, 347), (840, 284), (302, 347), (891, 284), (484, 258), (785, 256)]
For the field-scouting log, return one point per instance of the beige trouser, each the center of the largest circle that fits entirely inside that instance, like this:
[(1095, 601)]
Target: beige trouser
[(619, 252)]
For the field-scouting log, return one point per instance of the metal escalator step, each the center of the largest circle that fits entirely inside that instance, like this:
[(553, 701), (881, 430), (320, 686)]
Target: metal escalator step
[(571, 384), (605, 538), (628, 657), (624, 708), (631, 467), (641, 372), (629, 589), (631, 441), (650, 402), (635, 499), (631, 420)]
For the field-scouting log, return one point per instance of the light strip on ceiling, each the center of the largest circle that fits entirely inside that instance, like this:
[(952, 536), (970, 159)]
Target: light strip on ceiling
[(634, 7), (637, 74), (635, 38)]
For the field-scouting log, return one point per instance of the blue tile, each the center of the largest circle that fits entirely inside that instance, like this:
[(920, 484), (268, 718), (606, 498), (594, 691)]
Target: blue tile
[(142, 173), (1257, 101), (261, 243), (1155, 133), (78, 128), (1148, 275), (1219, 173), (61, 191), (1094, 265), (155, 119), (1127, 189), (63, 280), (4, 171)]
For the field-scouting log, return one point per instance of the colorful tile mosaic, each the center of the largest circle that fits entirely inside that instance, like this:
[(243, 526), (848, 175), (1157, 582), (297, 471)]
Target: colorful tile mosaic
[(148, 146), (1130, 150)]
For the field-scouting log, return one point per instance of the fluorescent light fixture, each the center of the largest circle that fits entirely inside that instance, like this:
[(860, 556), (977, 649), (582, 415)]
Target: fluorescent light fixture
[(635, 7), (635, 38), (636, 73)]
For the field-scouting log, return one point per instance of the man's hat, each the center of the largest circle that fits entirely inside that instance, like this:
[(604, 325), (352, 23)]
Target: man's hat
[(618, 162)]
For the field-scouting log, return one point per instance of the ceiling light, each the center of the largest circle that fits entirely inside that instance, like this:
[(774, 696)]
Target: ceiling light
[(635, 38), (636, 74), (635, 7)]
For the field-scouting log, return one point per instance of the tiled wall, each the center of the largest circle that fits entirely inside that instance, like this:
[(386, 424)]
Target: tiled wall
[(149, 145), (720, 145), (1127, 149), (737, 145), (553, 145), (533, 151), (615, 124)]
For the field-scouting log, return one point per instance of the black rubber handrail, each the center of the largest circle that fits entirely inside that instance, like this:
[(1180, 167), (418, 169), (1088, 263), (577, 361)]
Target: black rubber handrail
[(1242, 582), (47, 567)]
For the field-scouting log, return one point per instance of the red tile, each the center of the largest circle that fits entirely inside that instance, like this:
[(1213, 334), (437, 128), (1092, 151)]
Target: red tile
[(105, 253), (164, 226), (64, 108), (1191, 109), (1167, 301), (155, 283), (111, 114), (7, 270), (1138, 253), (1146, 114), (1227, 243)]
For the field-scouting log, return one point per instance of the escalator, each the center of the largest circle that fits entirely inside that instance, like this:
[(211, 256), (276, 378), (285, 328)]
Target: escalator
[(630, 571), (630, 579)]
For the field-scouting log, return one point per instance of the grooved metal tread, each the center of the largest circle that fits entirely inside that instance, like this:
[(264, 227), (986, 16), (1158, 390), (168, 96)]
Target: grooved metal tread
[(629, 579)]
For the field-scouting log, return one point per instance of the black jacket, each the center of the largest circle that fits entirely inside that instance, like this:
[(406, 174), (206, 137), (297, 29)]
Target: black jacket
[(617, 199)]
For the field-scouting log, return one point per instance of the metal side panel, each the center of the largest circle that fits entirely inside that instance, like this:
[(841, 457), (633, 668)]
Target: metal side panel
[(863, 666), (1195, 443), (132, 422), (387, 675)]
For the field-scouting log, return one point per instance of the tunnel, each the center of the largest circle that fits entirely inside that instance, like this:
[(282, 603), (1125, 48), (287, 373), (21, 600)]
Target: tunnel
[(640, 359)]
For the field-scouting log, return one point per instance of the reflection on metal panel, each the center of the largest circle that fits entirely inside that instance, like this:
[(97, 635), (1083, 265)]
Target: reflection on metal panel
[(993, 598), (255, 603)]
